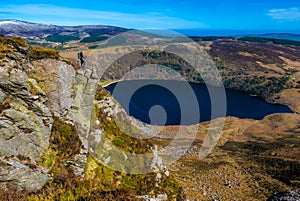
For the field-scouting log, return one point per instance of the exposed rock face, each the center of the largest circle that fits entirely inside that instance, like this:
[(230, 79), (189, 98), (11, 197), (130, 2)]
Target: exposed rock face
[(23, 132), (286, 196), (25, 128), (2, 96), (26, 177), (58, 79), (31, 94), (25, 121), (81, 114)]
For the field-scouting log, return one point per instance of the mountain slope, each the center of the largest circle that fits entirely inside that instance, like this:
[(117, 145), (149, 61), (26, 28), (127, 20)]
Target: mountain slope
[(49, 130)]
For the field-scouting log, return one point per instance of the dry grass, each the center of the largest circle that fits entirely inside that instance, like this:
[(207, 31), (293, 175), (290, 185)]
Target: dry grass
[(10, 192), (252, 160), (38, 52)]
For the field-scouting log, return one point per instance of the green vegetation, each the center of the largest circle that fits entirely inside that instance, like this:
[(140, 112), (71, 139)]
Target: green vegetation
[(140, 183), (156, 57), (100, 182), (144, 57), (118, 137), (137, 184), (94, 39), (61, 38), (39, 44), (59, 48), (270, 40), (97, 185), (118, 40), (101, 35), (93, 46), (173, 66), (106, 82), (99, 32), (64, 143), (260, 86)]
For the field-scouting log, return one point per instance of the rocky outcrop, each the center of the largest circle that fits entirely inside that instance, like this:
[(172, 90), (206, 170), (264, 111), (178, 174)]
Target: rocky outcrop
[(26, 176), (25, 127), (286, 196), (58, 79), (114, 110), (31, 94), (25, 121), (81, 114), (23, 131)]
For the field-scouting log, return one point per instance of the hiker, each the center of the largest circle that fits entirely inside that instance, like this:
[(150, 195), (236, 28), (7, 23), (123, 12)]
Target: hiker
[(81, 58)]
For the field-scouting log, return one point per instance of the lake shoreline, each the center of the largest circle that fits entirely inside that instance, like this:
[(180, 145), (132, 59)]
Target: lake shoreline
[(250, 94), (238, 104), (109, 83)]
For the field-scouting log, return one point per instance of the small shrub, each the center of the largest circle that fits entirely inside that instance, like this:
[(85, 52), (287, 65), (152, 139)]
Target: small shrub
[(38, 52), (15, 41), (101, 95), (4, 49), (7, 44)]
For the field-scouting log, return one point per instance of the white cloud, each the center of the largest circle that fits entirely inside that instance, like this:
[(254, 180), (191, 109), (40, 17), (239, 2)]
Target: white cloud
[(74, 16), (285, 14)]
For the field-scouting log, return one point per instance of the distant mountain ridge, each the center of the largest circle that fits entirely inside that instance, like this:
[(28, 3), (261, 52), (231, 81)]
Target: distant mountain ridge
[(59, 37), (29, 29)]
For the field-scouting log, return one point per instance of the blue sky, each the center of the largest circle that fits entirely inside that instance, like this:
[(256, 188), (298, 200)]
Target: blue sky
[(162, 14)]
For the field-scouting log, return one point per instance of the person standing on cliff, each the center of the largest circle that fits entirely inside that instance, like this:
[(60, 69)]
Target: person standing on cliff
[(81, 58)]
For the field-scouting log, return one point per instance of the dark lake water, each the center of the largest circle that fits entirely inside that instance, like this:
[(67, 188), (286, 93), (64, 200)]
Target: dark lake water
[(180, 103)]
